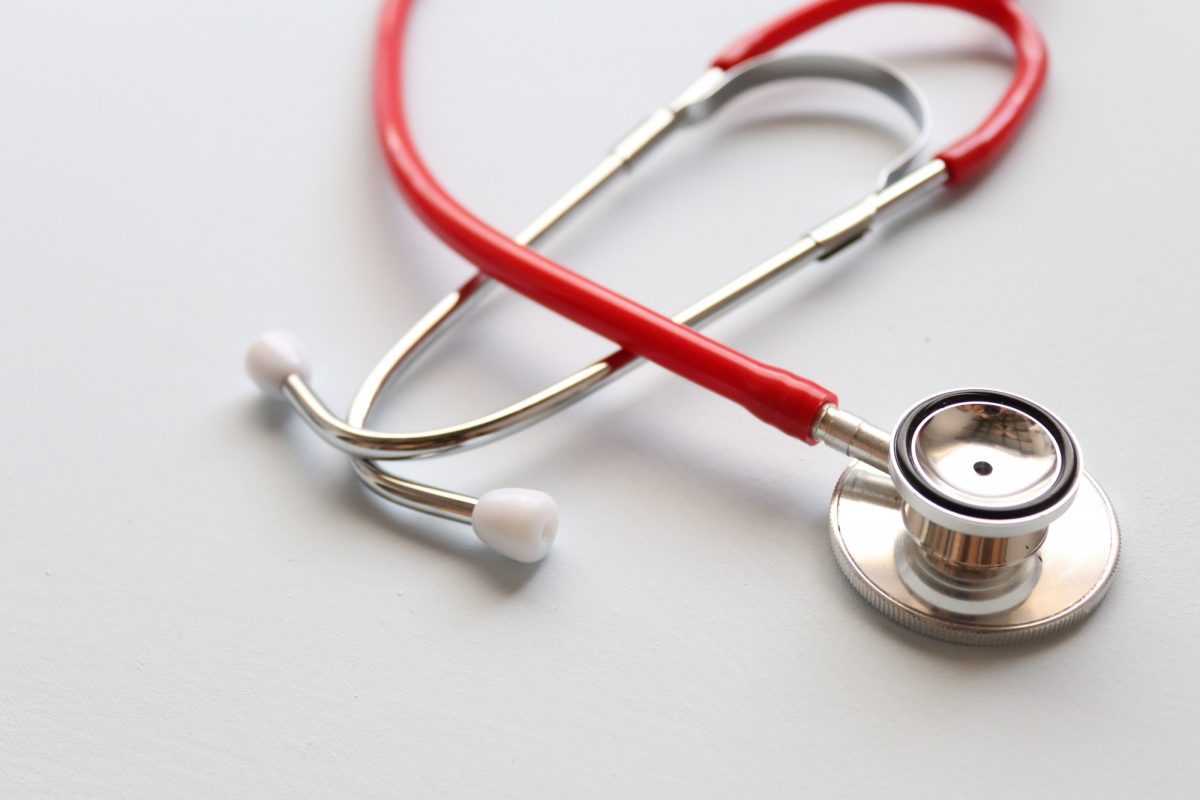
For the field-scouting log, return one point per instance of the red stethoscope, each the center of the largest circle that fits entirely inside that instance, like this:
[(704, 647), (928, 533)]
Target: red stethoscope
[(972, 521)]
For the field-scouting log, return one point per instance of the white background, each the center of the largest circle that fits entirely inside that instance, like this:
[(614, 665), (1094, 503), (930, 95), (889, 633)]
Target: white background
[(196, 600)]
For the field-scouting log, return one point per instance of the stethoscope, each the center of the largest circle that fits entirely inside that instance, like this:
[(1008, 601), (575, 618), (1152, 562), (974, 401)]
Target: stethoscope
[(972, 521)]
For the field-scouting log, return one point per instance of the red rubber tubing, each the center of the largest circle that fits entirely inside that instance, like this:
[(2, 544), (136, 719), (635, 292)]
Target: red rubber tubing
[(975, 151), (778, 397)]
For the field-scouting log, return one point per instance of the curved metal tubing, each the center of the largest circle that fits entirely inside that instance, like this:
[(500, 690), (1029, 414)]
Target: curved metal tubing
[(899, 183)]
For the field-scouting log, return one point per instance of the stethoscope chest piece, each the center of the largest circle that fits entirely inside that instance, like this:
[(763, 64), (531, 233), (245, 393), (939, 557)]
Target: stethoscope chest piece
[(986, 531)]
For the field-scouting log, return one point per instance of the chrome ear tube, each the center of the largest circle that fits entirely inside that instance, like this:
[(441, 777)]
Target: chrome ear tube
[(522, 523), (973, 522)]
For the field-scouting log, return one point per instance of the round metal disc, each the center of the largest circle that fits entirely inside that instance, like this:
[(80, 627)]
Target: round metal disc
[(1078, 560), (985, 463)]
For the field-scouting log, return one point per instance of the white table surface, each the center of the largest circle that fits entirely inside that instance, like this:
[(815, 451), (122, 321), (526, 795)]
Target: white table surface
[(196, 599)]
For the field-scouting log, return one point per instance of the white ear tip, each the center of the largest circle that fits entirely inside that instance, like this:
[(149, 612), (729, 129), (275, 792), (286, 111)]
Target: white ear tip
[(518, 523), (273, 357)]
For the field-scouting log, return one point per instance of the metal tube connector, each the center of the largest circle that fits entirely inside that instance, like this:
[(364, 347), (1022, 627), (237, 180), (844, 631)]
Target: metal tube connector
[(853, 436)]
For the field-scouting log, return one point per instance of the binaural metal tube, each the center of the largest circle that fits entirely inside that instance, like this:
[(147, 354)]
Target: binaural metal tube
[(900, 183), (567, 391), (510, 419), (354, 439)]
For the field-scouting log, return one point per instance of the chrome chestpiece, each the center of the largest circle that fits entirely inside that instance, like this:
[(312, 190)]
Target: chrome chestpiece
[(986, 529)]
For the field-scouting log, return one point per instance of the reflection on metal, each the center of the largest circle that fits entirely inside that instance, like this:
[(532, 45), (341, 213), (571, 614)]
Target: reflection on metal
[(1020, 600)]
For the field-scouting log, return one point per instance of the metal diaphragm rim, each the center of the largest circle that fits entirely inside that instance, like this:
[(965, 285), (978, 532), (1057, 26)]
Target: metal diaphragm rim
[(1079, 559)]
